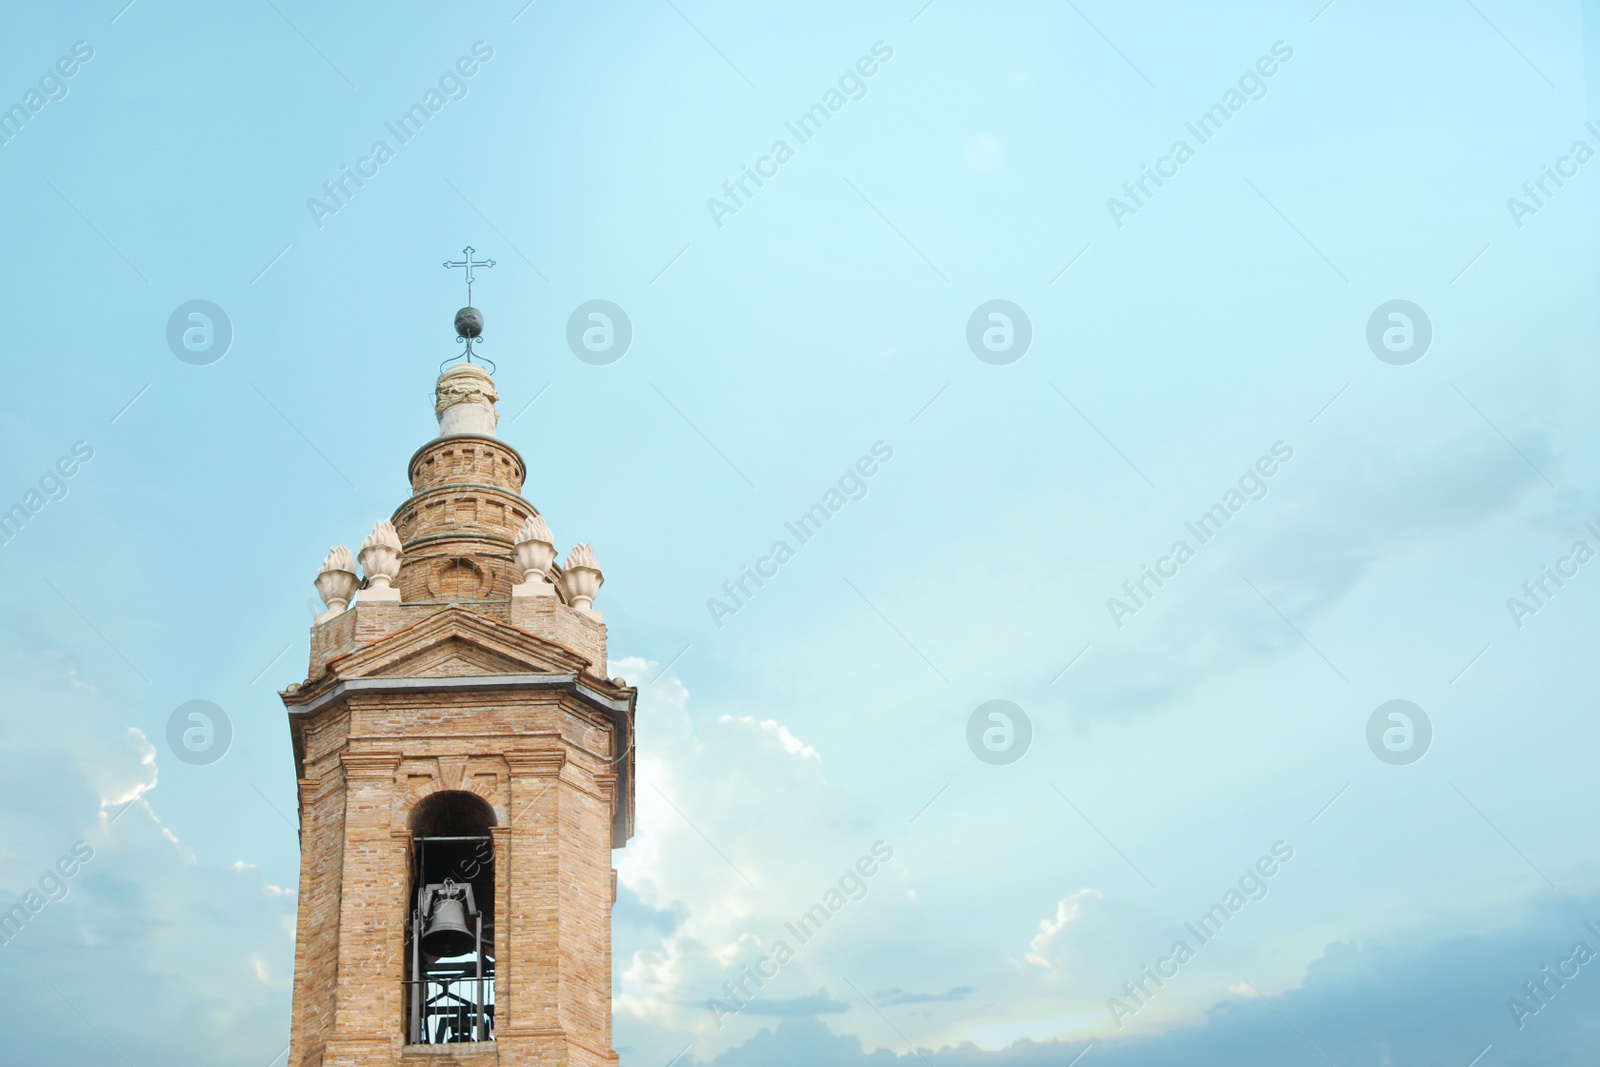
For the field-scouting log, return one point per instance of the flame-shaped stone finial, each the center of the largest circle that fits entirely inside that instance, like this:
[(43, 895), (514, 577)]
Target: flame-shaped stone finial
[(380, 562), (336, 582), (581, 579), (535, 550)]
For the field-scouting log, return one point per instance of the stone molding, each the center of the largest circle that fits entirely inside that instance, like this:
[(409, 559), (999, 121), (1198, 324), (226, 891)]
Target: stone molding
[(370, 766), (536, 763)]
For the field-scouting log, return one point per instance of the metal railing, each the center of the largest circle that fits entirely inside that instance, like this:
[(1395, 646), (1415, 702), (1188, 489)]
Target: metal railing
[(451, 1004)]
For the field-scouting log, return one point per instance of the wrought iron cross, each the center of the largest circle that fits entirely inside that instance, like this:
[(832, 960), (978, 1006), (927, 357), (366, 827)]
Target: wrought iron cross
[(469, 263)]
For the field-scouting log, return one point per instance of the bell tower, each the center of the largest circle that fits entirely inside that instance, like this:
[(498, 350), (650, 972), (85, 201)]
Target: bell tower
[(465, 769)]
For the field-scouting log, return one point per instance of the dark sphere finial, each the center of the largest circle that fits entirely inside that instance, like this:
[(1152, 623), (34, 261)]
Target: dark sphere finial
[(469, 322)]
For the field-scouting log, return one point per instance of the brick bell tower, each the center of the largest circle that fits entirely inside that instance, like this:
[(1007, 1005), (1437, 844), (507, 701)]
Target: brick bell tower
[(465, 769)]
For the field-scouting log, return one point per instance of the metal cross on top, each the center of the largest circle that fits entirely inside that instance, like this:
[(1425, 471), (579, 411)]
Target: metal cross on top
[(469, 263)]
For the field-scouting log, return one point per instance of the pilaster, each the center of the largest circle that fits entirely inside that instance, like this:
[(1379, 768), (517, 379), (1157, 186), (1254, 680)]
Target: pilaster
[(371, 902)]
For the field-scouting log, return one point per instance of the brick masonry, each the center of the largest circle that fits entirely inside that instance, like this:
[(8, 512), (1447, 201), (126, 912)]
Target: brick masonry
[(459, 687)]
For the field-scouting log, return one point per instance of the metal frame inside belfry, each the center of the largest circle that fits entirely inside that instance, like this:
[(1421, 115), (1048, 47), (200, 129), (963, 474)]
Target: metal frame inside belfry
[(450, 1000)]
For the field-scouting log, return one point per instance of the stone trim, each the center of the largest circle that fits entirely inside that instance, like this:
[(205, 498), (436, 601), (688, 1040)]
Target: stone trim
[(538, 763), (370, 766)]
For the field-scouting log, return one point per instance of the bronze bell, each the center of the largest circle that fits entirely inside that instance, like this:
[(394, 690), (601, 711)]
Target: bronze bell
[(447, 933)]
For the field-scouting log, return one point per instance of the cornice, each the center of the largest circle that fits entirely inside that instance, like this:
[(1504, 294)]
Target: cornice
[(552, 680)]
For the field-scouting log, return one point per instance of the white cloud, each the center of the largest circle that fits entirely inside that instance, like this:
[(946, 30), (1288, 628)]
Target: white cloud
[(1041, 948), (738, 832), (147, 931), (791, 744)]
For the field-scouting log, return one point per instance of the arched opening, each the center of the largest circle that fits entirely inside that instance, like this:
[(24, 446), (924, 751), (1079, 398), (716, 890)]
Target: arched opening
[(450, 929)]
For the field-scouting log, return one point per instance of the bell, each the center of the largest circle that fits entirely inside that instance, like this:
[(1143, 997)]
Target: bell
[(447, 933)]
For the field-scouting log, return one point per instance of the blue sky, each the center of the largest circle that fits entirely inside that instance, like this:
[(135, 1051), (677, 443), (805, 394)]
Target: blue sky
[(772, 348)]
